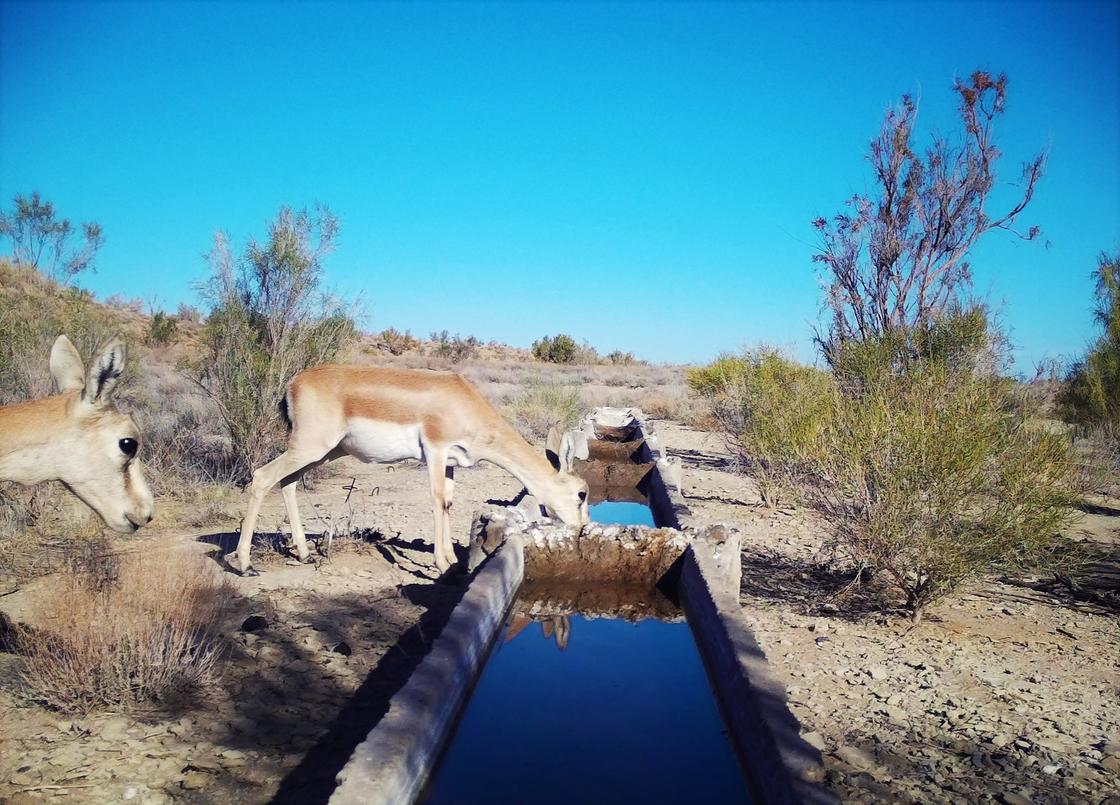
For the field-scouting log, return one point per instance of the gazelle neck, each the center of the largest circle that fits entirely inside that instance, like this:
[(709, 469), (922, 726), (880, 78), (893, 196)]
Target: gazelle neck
[(508, 449), (28, 439)]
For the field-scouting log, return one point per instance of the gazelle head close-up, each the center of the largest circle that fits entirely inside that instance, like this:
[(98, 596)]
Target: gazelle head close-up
[(79, 438)]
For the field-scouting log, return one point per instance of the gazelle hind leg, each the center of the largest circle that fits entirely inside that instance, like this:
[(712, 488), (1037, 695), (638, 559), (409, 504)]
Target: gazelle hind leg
[(441, 502), (287, 463), (448, 493)]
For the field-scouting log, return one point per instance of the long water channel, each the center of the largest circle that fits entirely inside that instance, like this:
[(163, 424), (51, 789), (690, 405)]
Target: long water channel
[(582, 708)]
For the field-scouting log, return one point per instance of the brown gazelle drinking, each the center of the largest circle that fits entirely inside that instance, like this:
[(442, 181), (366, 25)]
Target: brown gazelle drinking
[(387, 415), (79, 438)]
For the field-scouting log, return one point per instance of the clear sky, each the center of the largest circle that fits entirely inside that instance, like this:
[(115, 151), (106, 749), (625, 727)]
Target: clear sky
[(642, 176)]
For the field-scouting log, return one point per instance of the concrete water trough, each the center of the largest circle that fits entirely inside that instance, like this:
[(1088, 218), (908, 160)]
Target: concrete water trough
[(695, 574)]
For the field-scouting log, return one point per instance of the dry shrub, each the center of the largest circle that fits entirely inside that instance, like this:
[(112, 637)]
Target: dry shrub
[(541, 407), (144, 635), (269, 320), (676, 406)]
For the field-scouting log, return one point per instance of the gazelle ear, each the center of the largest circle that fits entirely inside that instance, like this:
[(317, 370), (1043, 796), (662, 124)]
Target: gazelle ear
[(567, 452), (552, 447), (106, 370), (66, 366)]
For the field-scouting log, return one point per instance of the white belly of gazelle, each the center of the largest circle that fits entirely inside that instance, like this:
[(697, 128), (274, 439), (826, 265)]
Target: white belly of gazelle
[(382, 442)]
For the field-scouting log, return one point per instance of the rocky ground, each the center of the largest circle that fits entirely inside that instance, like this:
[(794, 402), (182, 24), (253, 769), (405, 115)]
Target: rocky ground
[(1006, 693)]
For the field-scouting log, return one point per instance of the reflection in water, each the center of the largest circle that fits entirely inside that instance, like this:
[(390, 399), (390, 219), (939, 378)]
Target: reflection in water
[(555, 626), (623, 714)]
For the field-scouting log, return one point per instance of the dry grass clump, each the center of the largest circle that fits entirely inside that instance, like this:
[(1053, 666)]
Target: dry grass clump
[(124, 632), (539, 408)]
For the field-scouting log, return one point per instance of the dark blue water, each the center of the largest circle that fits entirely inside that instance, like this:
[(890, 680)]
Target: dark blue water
[(617, 513), (623, 714)]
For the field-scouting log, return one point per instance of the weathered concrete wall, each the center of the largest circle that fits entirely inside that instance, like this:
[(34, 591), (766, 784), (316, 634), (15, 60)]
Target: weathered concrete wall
[(781, 767), (624, 434), (602, 555), (398, 755)]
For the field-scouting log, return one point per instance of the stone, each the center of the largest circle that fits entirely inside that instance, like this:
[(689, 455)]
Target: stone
[(1011, 798), (194, 780), (343, 648), (115, 729), (1111, 764), (877, 672), (855, 757), (815, 740)]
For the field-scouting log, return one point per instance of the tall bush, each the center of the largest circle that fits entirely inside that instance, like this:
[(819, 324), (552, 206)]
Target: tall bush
[(1091, 395), (898, 256), (269, 319), (934, 475)]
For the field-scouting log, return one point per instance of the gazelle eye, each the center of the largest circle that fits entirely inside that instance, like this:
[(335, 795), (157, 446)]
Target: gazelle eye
[(582, 497), (129, 447)]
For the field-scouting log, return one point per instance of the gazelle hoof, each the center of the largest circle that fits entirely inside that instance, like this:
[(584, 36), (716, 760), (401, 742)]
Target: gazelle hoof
[(233, 564)]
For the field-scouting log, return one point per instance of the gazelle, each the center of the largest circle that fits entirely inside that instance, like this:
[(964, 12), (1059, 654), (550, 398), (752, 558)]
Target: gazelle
[(387, 415), (79, 438)]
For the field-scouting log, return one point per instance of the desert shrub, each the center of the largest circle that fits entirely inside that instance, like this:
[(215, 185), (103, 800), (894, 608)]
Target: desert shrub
[(897, 257), (396, 342), (671, 405), (129, 631), (31, 322), (556, 349), (453, 347), (933, 475), (770, 409), (162, 329), (711, 380), (586, 355), (1091, 396), (41, 239), (118, 301), (269, 320), (188, 313), (541, 407), (620, 358)]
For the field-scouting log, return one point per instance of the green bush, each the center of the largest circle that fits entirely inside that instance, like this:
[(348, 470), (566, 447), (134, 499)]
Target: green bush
[(1091, 395), (162, 329), (933, 475), (919, 454), (558, 349), (769, 408)]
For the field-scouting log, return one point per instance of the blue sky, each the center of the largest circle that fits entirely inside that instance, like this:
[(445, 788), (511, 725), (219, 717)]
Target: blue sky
[(641, 176)]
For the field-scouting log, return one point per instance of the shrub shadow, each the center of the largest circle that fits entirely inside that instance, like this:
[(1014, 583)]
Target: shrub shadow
[(812, 587)]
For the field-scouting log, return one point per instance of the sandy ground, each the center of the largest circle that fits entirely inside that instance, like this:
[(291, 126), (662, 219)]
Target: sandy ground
[(1006, 693)]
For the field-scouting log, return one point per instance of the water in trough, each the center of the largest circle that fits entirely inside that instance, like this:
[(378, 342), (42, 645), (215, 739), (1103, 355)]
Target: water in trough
[(572, 708)]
